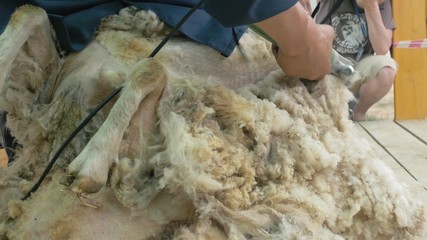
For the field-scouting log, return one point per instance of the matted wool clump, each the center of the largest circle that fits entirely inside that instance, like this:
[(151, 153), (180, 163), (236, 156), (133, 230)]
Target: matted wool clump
[(276, 162)]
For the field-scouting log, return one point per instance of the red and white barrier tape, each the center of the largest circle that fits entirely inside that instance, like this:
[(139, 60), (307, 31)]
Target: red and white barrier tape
[(422, 43)]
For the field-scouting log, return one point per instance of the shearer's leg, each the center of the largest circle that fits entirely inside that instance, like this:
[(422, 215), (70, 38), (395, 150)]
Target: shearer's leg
[(145, 83)]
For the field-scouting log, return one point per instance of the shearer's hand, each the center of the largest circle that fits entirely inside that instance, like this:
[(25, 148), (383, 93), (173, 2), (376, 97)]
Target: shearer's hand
[(368, 3), (304, 47)]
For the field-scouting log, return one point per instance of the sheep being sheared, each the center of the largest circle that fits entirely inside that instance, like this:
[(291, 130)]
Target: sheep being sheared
[(180, 154)]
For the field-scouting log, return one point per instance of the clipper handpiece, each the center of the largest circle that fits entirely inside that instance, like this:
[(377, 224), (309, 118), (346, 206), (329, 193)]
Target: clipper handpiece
[(341, 66)]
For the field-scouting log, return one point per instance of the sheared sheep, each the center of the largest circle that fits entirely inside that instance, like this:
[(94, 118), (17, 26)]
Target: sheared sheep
[(196, 146)]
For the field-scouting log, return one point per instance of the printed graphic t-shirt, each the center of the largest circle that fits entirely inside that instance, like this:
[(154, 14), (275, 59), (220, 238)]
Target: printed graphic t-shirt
[(352, 31)]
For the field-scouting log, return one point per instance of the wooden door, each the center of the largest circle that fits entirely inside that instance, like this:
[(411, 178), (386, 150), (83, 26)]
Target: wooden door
[(410, 89)]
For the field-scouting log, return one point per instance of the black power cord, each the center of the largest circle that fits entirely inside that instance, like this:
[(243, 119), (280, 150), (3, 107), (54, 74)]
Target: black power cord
[(103, 103)]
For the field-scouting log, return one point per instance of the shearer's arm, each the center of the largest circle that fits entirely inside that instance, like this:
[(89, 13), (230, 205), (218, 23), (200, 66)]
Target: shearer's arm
[(304, 47)]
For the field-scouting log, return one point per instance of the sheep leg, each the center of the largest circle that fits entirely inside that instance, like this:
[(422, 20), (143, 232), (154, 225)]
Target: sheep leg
[(27, 38), (92, 165)]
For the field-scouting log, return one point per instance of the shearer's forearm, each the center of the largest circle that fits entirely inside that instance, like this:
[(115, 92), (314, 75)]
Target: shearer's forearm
[(304, 47)]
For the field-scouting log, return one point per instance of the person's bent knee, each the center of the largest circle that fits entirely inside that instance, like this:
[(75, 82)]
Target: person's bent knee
[(386, 76)]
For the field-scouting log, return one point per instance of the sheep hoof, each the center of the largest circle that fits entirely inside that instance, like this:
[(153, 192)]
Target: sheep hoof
[(86, 184)]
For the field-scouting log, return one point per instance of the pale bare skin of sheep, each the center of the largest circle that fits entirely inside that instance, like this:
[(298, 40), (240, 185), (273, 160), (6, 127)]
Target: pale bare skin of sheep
[(196, 146)]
